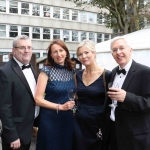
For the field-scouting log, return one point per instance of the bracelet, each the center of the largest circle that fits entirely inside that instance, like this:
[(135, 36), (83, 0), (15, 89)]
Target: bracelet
[(57, 108)]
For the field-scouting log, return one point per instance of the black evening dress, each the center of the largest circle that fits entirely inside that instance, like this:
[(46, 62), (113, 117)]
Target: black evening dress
[(89, 114)]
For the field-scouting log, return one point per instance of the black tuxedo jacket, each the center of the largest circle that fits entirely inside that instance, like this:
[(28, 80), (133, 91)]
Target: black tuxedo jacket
[(132, 117), (17, 106)]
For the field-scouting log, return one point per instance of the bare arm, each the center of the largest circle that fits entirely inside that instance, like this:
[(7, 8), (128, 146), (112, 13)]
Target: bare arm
[(39, 96)]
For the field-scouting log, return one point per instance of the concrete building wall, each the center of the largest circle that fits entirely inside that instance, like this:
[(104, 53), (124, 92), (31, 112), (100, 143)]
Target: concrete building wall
[(40, 45)]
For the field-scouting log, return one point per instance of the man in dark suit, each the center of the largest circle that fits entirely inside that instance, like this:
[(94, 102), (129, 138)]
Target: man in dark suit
[(130, 95), (17, 106)]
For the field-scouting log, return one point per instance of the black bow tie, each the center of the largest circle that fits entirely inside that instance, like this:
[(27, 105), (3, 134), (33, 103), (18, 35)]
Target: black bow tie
[(121, 71), (24, 67)]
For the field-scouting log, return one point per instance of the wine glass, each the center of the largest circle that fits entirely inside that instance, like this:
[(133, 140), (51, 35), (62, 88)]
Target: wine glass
[(114, 85), (71, 96)]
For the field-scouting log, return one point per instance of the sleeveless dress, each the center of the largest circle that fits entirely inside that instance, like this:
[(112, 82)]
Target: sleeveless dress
[(89, 114), (56, 129)]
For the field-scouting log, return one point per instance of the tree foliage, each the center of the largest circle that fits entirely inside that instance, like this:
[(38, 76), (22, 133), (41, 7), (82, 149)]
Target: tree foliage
[(125, 15)]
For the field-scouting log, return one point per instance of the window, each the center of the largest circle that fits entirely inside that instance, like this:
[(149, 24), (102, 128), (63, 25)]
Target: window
[(106, 18), (4, 53), (25, 31), (25, 8), (65, 13), (56, 34), (99, 19), (2, 30), (83, 36), (46, 33), (91, 17), (2, 5), (99, 37), (83, 17), (37, 55), (92, 37), (106, 37), (88, 1), (35, 10), (44, 54), (13, 7), (36, 33), (13, 32), (74, 35), (56, 12), (75, 15), (66, 35), (46, 11)]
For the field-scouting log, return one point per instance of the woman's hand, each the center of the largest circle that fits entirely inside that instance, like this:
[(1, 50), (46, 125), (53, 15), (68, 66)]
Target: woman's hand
[(67, 106)]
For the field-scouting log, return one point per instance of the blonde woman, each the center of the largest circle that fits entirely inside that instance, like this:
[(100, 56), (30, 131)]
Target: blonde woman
[(91, 99)]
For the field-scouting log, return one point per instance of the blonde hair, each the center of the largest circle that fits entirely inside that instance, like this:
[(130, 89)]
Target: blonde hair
[(88, 43)]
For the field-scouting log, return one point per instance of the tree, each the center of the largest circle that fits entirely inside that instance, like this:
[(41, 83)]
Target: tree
[(125, 15)]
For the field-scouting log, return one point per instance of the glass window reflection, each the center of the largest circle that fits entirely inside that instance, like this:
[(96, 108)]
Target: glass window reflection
[(25, 31), (92, 36), (74, 35), (66, 35), (36, 33), (25, 8), (99, 37), (56, 12), (46, 11), (83, 17), (83, 36), (13, 7), (35, 10), (46, 33), (2, 5), (13, 32), (66, 13), (91, 17), (2, 30), (56, 34)]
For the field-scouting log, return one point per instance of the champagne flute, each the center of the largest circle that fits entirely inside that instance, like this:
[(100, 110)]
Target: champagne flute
[(114, 85), (71, 96)]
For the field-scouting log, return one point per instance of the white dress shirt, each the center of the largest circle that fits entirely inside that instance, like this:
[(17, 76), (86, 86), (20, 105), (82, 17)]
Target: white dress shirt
[(31, 81), (119, 80)]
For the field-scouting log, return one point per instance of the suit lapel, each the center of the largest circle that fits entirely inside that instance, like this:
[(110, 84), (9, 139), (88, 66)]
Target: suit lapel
[(34, 74), (113, 74), (129, 75), (19, 72)]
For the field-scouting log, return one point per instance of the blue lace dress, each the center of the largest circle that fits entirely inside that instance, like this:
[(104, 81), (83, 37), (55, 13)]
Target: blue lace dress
[(56, 130)]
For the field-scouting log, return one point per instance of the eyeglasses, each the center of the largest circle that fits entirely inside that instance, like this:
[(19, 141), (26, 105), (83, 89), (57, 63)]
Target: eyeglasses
[(24, 48), (114, 50)]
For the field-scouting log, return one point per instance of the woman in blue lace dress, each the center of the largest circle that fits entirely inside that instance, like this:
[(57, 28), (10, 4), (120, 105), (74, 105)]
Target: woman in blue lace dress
[(56, 117)]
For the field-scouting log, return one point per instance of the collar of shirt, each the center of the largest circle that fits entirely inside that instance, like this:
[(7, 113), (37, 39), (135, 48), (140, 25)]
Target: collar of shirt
[(127, 67), (19, 63), (119, 79)]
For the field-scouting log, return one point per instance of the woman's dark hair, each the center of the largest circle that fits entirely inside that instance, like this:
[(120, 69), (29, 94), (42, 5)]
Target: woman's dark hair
[(50, 62)]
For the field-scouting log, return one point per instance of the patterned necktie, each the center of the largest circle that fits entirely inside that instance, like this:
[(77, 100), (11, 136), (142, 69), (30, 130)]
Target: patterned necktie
[(121, 71), (25, 67)]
